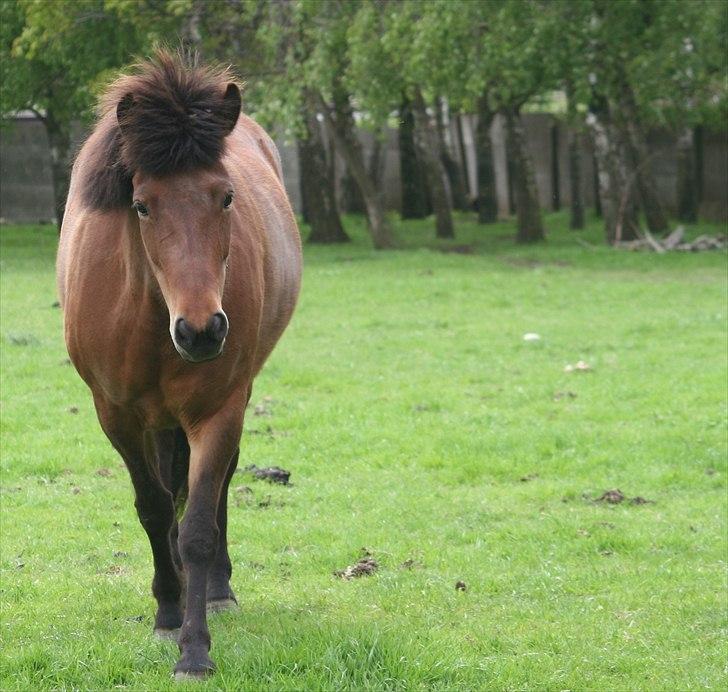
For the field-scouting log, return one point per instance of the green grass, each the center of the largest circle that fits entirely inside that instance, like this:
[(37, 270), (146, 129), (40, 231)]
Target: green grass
[(409, 410)]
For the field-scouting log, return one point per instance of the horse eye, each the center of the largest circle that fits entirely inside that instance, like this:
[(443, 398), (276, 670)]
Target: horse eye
[(140, 208), (227, 201)]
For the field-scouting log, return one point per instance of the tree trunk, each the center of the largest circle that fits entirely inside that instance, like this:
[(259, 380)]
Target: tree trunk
[(509, 183), (640, 160), (576, 217), (528, 212), (378, 160), (414, 191), (340, 121), (317, 188), (687, 189), (555, 178), (454, 174), (616, 183), (437, 179), (698, 144), (463, 157), (487, 200), (352, 201), (59, 140), (595, 180)]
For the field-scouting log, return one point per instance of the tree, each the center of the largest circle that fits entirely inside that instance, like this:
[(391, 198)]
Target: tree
[(414, 191), (515, 51), (51, 57), (642, 63), (380, 72), (305, 50), (318, 189)]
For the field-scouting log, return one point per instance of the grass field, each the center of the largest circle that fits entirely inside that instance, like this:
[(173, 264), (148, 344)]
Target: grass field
[(418, 424)]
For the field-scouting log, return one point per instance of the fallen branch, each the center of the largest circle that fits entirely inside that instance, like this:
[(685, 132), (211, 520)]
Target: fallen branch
[(674, 242)]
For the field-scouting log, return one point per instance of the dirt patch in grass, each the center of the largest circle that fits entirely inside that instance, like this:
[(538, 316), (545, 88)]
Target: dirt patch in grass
[(272, 474), (616, 497), (365, 566)]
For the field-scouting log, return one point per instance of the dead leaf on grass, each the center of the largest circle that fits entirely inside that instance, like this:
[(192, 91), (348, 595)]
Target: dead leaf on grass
[(104, 473), (564, 395)]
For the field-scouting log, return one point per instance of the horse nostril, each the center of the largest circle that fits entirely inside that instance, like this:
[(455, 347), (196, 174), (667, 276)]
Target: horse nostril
[(217, 327), (183, 333)]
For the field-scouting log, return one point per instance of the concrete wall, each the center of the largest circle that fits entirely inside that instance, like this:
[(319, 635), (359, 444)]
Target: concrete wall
[(26, 193)]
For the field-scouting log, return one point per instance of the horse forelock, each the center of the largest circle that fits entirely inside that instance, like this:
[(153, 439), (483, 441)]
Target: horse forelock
[(175, 118)]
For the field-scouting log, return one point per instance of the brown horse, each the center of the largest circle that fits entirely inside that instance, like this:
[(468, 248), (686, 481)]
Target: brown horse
[(177, 225)]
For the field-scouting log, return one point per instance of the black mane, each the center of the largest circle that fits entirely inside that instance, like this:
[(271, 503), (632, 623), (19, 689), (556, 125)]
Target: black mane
[(170, 116)]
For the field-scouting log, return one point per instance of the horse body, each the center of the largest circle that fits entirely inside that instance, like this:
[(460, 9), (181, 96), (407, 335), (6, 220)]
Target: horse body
[(206, 268)]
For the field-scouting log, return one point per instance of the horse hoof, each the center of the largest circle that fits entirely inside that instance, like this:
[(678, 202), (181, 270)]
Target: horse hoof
[(190, 668), (220, 604), (181, 676), (165, 634)]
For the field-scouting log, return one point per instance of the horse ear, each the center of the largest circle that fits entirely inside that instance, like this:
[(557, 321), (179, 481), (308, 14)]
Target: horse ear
[(230, 109), (122, 109)]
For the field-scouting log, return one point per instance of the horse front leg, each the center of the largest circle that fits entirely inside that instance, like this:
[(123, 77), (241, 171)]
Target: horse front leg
[(155, 507), (212, 445), (220, 595)]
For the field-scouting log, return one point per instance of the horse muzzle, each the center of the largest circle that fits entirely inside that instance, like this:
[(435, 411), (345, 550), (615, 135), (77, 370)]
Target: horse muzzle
[(196, 345)]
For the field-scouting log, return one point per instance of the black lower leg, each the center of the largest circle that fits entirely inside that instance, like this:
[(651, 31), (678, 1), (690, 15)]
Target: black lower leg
[(219, 591), (198, 544)]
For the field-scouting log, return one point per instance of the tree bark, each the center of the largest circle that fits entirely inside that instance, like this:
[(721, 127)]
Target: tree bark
[(463, 157), (595, 180), (378, 160), (698, 144), (454, 174), (487, 200), (528, 212), (616, 181), (640, 159), (509, 182), (576, 215), (555, 178), (576, 207), (687, 188), (414, 191), (317, 188), (340, 121), (59, 140), (437, 179)]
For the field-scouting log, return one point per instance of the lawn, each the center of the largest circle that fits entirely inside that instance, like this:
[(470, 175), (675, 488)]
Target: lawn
[(418, 424)]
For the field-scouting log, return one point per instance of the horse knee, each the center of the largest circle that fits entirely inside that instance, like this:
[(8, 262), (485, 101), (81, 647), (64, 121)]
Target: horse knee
[(155, 515), (198, 540)]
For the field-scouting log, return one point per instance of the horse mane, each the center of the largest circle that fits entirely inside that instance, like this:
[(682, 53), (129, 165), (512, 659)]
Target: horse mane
[(169, 115)]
